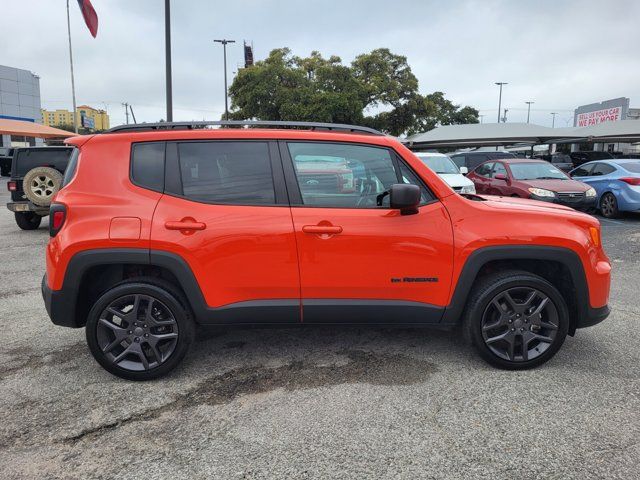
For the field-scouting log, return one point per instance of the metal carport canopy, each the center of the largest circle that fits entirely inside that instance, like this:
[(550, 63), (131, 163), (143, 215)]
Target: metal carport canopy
[(491, 134)]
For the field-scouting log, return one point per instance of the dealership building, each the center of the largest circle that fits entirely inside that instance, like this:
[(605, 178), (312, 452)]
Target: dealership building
[(614, 110), (19, 100)]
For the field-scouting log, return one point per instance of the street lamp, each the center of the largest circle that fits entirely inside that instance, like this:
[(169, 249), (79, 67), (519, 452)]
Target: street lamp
[(500, 98), (528, 109), (224, 42), (504, 119), (553, 121)]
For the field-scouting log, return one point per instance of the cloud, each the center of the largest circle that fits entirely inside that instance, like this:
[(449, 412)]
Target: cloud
[(560, 54)]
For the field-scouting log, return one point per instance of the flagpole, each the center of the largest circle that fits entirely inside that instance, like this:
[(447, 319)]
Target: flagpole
[(73, 85)]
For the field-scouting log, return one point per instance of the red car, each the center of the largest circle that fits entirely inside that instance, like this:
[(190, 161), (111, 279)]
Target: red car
[(535, 179), (304, 224)]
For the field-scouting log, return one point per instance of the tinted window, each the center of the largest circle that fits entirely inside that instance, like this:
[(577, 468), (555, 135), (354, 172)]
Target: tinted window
[(484, 170), (632, 167), (602, 169), (474, 160), (227, 172), (459, 160), (29, 158), (583, 171), (340, 175), (147, 165), (498, 168), (70, 171)]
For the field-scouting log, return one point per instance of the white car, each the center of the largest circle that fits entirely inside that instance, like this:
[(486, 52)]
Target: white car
[(447, 170)]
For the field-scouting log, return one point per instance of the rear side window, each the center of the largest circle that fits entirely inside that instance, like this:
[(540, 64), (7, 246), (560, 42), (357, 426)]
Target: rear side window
[(147, 165), (227, 172), (602, 169), (70, 171)]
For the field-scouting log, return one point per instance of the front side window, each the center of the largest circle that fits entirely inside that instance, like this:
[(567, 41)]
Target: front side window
[(227, 172), (459, 160), (343, 175), (582, 171), (485, 169), (499, 169)]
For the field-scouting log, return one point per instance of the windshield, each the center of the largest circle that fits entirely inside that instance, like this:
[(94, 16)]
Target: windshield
[(439, 164), (631, 167), (536, 171)]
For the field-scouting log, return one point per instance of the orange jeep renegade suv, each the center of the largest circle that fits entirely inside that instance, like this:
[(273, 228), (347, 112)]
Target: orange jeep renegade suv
[(159, 227)]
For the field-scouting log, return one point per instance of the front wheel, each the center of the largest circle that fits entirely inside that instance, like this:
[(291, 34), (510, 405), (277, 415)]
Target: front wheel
[(28, 220), (609, 206), (516, 320), (140, 329)]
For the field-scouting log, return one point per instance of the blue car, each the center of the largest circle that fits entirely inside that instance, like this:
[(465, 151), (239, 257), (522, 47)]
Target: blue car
[(617, 184)]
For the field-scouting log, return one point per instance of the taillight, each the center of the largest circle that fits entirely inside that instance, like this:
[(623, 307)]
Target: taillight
[(631, 180), (12, 186), (57, 216)]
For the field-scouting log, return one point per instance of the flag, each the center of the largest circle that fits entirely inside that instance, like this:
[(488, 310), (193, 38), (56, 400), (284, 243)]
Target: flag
[(90, 16)]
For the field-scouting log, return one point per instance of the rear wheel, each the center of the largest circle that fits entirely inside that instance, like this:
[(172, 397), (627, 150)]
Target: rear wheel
[(140, 329), (609, 206), (516, 320), (28, 220)]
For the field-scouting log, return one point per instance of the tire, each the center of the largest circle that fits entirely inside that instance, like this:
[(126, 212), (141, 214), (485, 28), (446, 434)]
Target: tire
[(126, 359), (28, 220), (500, 335), (609, 206), (40, 184)]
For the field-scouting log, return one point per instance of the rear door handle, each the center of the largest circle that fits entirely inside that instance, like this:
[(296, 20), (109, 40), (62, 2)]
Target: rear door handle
[(185, 225), (326, 229)]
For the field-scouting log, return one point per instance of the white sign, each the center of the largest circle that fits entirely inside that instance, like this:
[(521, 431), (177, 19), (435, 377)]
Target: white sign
[(599, 116)]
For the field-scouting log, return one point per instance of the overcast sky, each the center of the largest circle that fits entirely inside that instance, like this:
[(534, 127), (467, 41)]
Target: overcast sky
[(559, 54)]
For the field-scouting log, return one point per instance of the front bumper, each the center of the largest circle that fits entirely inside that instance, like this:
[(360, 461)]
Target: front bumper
[(59, 306), (18, 207), (584, 204), (594, 316)]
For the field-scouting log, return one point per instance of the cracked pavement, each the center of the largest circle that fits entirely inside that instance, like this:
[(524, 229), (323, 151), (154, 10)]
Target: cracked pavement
[(319, 402)]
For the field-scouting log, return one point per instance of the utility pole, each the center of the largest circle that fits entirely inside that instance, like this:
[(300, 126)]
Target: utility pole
[(504, 119), (553, 121), (133, 115), (224, 42), (126, 111), (528, 109), (500, 98), (167, 55), (73, 84)]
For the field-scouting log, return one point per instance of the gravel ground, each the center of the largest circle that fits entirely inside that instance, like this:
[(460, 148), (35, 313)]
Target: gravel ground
[(317, 403)]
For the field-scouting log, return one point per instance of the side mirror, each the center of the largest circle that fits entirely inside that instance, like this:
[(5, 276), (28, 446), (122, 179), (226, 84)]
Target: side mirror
[(405, 198), (501, 176), (464, 170)]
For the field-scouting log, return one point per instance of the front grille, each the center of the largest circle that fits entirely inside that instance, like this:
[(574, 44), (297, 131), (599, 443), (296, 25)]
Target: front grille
[(570, 196), (457, 189)]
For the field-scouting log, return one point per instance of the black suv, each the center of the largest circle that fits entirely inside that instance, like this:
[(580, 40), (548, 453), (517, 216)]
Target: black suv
[(36, 176), (472, 159), (578, 158)]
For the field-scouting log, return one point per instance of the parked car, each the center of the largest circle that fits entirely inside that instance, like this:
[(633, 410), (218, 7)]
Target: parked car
[(560, 160), (534, 179), (185, 225), (448, 171), (578, 158), (471, 160), (6, 156), (617, 184), (36, 176)]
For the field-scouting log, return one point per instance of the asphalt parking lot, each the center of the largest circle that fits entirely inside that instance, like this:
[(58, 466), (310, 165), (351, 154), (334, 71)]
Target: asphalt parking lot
[(317, 403)]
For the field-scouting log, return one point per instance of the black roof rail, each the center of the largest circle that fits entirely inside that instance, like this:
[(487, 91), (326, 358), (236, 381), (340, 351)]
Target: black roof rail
[(141, 127)]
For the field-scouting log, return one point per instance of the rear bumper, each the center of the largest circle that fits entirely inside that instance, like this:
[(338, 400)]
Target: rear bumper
[(27, 207), (60, 308)]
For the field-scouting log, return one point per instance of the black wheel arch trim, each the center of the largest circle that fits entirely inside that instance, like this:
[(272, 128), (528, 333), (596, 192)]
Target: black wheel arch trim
[(587, 315)]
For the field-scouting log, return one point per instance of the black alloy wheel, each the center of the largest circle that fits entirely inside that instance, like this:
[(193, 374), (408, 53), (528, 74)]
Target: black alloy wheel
[(609, 206), (140, 329)]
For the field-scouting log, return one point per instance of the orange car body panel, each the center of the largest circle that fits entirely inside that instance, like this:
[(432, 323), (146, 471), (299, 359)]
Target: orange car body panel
[(261, 252)]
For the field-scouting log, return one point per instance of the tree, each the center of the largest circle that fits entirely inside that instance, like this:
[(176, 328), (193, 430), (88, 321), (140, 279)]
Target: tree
[(286, 87)]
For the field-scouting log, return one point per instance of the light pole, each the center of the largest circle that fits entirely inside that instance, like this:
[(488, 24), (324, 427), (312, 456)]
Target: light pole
[(500, 98), (224, 42), (528, 109), (167, 59), (504, 119), (553, 121)]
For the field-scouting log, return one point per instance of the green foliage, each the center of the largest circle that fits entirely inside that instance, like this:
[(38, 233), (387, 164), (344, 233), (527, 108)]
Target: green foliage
[(286, 87)]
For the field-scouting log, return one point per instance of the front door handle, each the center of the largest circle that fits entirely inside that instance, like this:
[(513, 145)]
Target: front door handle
[(322, 229), (185, 225)]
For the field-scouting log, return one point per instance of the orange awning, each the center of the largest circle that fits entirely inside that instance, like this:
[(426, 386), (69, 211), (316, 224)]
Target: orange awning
[(31, 129)]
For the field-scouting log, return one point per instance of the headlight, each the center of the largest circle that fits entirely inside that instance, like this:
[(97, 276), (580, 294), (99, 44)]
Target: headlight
[(590, 193), (541, 192), (471, 189)]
